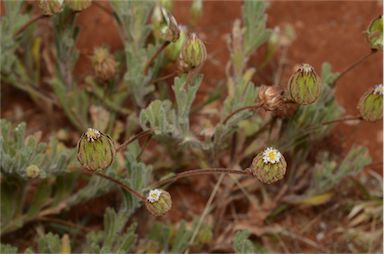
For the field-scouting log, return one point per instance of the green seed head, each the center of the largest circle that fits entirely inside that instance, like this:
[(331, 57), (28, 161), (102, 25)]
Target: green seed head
[(193, 53), (269, 166), (371, 104), (375, 33), (158, 202), (32, 171), (78, 5), (103, 63), (51, 7), (95, 151), (304, 85)]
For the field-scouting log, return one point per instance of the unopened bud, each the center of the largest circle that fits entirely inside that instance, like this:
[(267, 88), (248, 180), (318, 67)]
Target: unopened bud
[(158, 202), (271, 97), (193, 53), (172, 52), (165, 25), (371, 104), (51, 7), (375, 33), (103, 63), (95, 151), (78, 5), (32, 171), (304, 85), (269, 166)]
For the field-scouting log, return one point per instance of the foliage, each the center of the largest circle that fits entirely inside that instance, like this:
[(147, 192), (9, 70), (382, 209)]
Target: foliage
[(168, 131)]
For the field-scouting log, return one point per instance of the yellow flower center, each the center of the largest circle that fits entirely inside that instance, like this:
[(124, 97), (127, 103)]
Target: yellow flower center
[(271, 155)]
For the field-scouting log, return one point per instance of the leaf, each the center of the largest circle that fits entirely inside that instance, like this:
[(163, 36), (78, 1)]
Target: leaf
[(7, 249), (241, 243)]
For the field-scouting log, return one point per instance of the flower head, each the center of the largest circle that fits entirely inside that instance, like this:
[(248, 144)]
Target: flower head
[(158, 202), (304, 85), (92, 134), (375, 33), (269, 166), (153, 195), (371, 104), (271, 155), (95, 151)]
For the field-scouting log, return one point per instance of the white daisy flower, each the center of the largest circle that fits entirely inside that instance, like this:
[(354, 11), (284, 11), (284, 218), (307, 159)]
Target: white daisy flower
[(92, 134), (154, 195), (271, 155), (379, 89)]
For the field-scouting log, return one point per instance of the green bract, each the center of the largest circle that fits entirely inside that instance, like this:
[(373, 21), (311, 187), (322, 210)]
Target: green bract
[(269, 166), (304, 85), (95, 151), (371, 104), (172, 52), (375, 33), (78, 5), (158, 202), (193, 52)]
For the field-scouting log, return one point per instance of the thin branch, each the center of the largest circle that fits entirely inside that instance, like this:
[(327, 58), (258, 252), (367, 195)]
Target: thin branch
[(158, 51), (345, 119), (123, 185), (252, 107), (195, 172), (352, 66), (30, 22), (137, 136)]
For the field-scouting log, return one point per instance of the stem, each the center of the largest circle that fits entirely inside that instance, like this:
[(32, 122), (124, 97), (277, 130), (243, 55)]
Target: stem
[(359, 61), (170, 75), (26, 25), (337, 121), (252, 107), (205, 171), (137, 136), (158, 51), (124, 186)]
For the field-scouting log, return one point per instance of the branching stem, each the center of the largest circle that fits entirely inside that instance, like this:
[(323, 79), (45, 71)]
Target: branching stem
[(158, 51), (252, 107), (137, 136), (352, 66), (205, 171), (122, 185), (30, 22)]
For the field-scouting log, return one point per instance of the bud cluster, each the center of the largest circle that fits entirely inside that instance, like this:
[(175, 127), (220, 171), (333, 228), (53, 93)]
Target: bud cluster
[(193, 53), (375, 33), (51, 7)]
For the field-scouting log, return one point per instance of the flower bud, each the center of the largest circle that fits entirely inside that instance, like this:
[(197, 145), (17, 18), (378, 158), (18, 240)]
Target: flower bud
[(172, 52), (304, 85), (271, 97), (158, 202), (165, 25), (269, 166), (78, 5), (193, 53), (103, 63), (375, 33), (32, 171), (95, 151), (51, 7), (371, 104)]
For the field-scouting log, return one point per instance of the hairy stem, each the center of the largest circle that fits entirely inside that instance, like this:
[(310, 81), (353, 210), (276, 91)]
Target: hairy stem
[(205, 171), (252, 107), (158, 51), (123, 185), (352, 66), (30, 22), (137, 136)]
